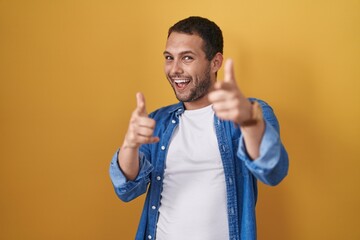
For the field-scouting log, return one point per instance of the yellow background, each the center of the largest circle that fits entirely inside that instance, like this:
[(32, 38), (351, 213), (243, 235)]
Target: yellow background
[(69, 71)]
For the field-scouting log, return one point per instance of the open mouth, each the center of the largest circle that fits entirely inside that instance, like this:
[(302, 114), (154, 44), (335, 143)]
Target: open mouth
[(181, 83)]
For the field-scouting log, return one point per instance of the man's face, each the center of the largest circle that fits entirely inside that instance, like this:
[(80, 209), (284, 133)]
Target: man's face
[(187, 68)]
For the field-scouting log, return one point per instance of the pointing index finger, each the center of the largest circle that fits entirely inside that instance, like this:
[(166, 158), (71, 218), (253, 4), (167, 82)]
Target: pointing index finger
[(140, 103), (229, 75)]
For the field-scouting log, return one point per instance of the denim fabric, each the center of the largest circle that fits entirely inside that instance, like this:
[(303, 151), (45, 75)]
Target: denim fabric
[(241, 173)]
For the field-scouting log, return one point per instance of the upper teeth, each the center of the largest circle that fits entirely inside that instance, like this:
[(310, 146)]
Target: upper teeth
[(181, 81)]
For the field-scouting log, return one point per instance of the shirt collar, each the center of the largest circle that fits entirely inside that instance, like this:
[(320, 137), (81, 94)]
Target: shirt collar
[(178, 108)]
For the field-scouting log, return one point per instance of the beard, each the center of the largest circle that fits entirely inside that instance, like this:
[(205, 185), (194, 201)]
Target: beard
[(197, 90)]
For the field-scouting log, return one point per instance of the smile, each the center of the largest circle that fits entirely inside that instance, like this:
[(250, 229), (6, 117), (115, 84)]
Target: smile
[(181, 83)]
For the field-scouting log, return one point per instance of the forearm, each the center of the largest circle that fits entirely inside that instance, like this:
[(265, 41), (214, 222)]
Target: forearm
[(253, 135), (128, 160), (271, 165), (128, 190)]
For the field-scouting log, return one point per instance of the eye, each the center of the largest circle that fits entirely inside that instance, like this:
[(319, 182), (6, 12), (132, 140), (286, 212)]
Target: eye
[(168, 57), (188, 58)]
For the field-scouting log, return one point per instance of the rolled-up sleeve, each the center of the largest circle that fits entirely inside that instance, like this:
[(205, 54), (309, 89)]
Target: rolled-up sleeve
[(128, 190)]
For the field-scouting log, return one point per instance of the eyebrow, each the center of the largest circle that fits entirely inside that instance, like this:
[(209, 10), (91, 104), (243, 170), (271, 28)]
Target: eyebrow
[(181, 53)]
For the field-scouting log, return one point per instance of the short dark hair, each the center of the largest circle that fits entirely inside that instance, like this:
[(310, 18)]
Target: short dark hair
[(209, 32)]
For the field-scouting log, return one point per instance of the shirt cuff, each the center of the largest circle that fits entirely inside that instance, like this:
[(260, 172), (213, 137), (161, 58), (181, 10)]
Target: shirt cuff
[(117, 176)]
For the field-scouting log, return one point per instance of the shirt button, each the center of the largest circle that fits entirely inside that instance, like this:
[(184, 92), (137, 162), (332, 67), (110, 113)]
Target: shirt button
[(153, 207), (173, 121), (158, 178), (149, 237), (162, 147)]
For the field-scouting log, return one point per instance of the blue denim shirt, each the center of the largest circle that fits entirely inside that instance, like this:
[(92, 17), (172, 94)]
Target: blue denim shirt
[(241, 173)]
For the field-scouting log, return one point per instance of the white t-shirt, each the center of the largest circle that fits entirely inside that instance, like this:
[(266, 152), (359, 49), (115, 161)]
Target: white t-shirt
[(193, 199)]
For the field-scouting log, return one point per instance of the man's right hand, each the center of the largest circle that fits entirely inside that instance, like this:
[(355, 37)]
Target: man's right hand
[(141, 127)]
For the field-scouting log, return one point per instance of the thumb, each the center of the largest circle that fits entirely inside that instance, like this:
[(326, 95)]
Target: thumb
[(140, 104), (229, 75)]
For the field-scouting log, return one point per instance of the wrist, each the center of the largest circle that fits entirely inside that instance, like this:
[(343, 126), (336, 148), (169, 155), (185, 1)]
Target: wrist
[(129, 145)]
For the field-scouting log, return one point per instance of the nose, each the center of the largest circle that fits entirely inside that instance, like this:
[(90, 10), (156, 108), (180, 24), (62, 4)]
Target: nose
[(176, 68)]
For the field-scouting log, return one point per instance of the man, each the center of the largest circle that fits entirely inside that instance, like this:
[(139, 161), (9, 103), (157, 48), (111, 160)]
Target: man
[(201, 158)]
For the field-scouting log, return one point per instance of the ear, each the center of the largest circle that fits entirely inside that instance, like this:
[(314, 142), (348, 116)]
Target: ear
[(216, 62)]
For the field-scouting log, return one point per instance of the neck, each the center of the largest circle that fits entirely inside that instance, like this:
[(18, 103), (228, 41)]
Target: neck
[(200, 103)]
